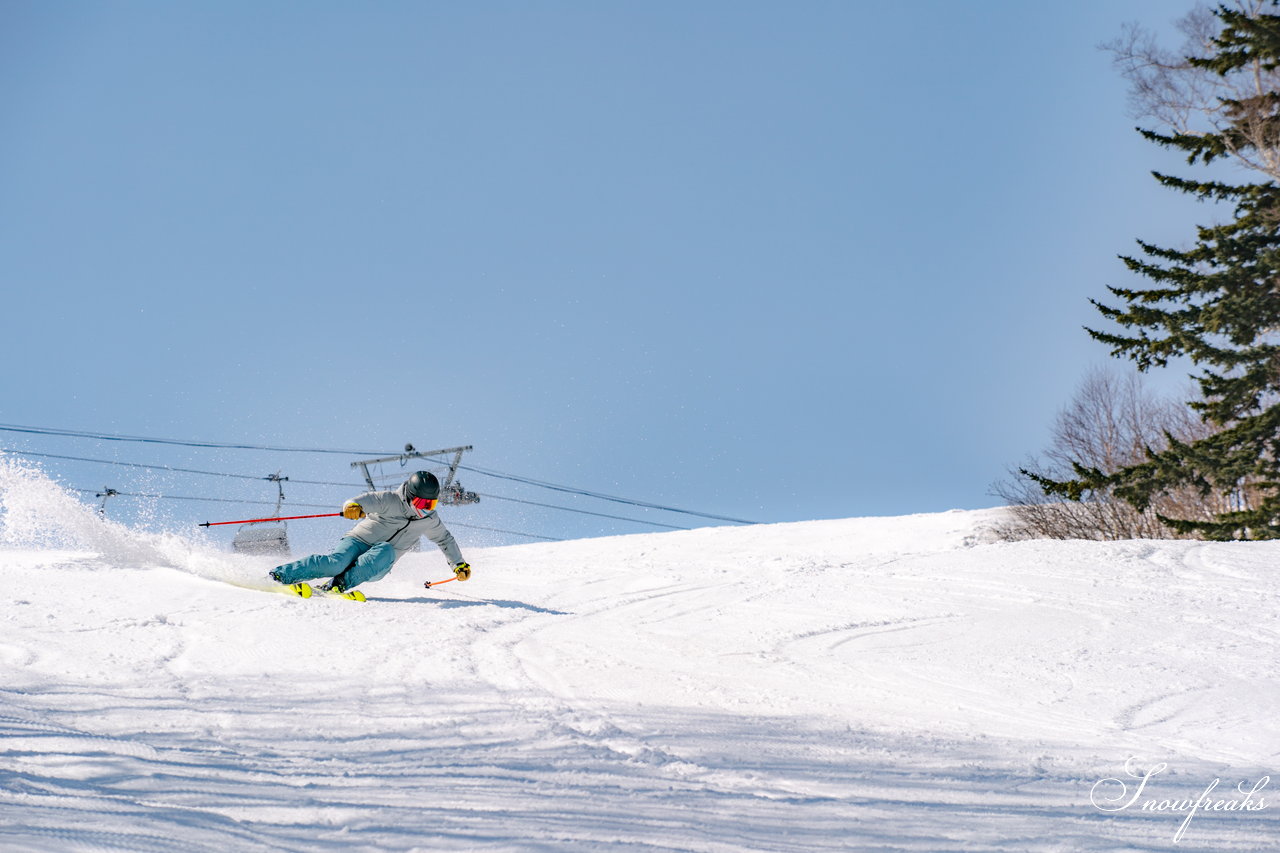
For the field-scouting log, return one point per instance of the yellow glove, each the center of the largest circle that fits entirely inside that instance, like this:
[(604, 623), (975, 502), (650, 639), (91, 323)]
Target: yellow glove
[(462, 571), (352, 510)]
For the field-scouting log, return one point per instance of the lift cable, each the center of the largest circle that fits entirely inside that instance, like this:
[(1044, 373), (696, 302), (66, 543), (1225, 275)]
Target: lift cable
[(488, 473), (71, 433), (580, 511), (500, 530), (172, 468), (327, 483), (598, 495), (207, 500), (99, 493)]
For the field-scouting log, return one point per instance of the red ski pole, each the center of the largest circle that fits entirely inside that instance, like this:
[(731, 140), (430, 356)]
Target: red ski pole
[(430, 584), (282, 518)]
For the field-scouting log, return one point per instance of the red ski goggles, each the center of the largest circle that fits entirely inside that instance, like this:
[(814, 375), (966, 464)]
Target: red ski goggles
[(424, 505)]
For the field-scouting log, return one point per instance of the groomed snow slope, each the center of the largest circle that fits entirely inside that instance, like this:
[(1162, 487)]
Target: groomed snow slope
[(867, 684)]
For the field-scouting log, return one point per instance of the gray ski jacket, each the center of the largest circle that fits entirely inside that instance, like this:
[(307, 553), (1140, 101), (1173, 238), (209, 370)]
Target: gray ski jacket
[(389, 517)]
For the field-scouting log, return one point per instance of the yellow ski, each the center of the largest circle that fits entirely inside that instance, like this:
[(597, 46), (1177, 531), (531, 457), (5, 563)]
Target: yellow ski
[(353, 595)]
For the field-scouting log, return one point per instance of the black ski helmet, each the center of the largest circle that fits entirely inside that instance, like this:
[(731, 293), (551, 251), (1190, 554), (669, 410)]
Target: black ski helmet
[(423, 484)]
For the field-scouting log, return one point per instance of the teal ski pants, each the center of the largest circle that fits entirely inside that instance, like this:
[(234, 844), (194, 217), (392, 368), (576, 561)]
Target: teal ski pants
[(356, 561)]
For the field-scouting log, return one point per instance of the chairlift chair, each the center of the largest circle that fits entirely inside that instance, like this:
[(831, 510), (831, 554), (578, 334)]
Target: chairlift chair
[(265, 537)]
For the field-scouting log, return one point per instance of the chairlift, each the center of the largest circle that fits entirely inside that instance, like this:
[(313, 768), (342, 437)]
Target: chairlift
[(451, 491), (265, 537), (454, 495)]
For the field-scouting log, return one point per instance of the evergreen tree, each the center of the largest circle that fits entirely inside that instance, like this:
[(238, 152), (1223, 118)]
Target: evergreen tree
[(1216, 303)]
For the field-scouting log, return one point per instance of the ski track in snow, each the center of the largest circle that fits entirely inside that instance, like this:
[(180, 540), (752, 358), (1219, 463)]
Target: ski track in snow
[(866, 684)]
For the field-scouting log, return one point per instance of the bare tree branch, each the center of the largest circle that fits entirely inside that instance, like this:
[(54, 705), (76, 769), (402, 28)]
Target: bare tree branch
[(1110, 423), (1186, 99)]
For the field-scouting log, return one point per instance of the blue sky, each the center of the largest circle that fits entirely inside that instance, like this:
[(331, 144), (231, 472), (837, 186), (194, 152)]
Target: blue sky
[(775, 261)]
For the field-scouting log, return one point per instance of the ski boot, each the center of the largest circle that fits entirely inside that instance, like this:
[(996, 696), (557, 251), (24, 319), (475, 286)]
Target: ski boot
[(301, 590), (338, 587)]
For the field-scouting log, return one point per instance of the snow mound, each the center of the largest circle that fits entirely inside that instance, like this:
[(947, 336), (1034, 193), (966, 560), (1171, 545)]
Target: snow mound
[(867, 684)]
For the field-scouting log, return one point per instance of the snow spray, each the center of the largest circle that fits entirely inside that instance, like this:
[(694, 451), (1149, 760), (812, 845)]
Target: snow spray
[(36, 512)]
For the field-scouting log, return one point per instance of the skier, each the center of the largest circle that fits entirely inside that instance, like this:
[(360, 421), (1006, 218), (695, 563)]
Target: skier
[(390, 523)]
